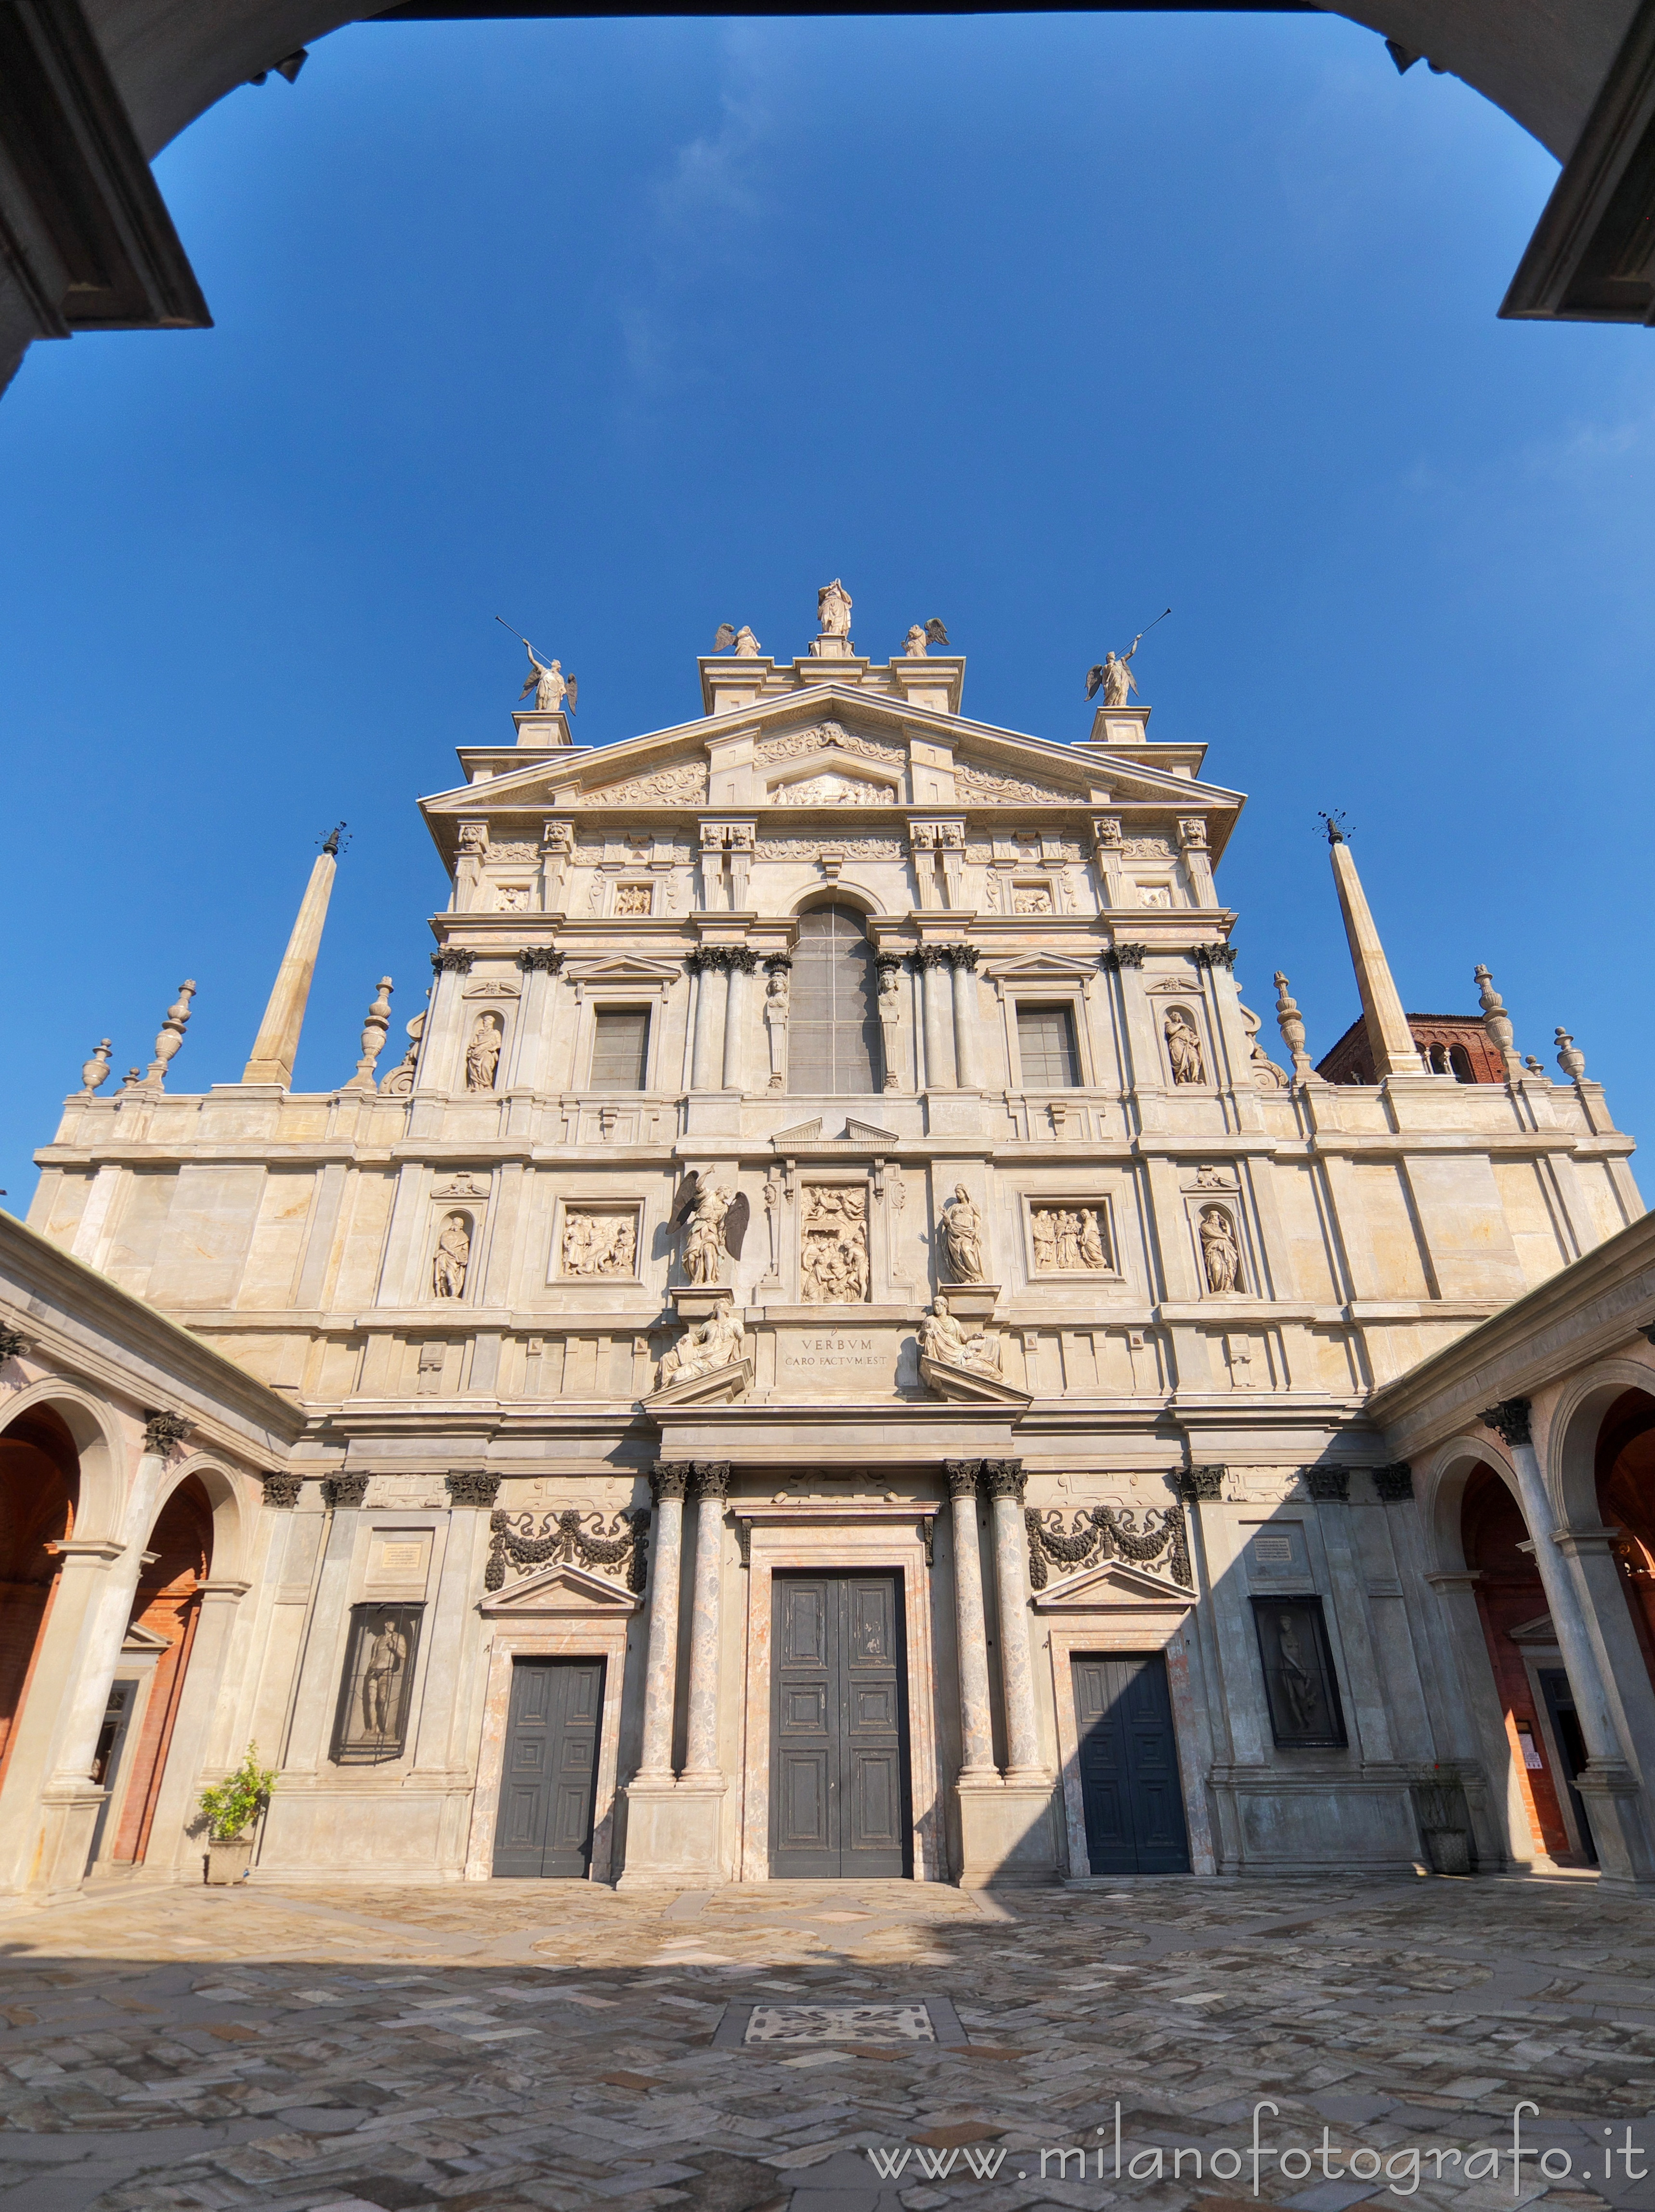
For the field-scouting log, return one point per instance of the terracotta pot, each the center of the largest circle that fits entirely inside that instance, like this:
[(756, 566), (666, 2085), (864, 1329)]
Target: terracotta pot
[(230, 1862)]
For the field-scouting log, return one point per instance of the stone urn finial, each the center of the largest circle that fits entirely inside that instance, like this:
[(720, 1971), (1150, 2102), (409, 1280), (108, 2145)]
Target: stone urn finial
[(171, 1037), (1570, 1059), (95, 1070)]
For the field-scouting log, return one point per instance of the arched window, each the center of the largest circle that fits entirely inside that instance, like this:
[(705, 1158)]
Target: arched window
[(833, 1029), (1459, 1065)]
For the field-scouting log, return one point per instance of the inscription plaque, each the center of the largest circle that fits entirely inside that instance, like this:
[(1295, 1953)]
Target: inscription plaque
[(829, 1359)]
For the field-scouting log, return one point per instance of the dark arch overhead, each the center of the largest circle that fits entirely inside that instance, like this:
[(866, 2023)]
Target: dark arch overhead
[(91, 90)]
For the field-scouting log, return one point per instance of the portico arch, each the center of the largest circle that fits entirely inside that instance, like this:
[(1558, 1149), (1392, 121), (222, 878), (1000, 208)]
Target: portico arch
[(101, 1452)]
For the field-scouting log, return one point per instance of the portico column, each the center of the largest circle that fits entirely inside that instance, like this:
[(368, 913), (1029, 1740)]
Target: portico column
[(738, 963), (933, 961), (709, 1483), (702, 967), (1609, 1785), (1003, 1480), (963, 961), (666, 1483), (975, 1718)]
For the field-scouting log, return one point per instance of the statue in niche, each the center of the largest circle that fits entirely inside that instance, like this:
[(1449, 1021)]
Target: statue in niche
[(387, 1663), (1220, 1253), (483, 1054), (703, 1348), (1183, 1046), (453, 1257), (713, 1221), (549, 685), (941, 1337), (833, 1265), (1298, 1683), (962, 1237), (778, 998)]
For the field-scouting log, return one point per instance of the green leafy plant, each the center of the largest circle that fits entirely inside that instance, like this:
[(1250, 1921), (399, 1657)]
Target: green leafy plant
[(230, 1807)]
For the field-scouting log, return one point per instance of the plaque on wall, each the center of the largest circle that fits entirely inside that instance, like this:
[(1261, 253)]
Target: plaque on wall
[(836, 1357), (1300, 1682), (371, 1725)]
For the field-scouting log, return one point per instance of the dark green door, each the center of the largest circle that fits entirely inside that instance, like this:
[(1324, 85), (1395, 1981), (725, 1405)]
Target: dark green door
[(550, 1773), (1129, 1767), (838, 1727)]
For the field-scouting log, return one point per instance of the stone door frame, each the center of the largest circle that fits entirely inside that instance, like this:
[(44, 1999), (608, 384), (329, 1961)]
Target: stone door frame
[(562, 1612), (832, 1536), (1115, 1610)]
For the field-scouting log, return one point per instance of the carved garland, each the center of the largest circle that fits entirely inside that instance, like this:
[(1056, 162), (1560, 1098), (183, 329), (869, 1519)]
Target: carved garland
[(1098, 1532), (564, 1537), (828, 736), (984, 783), (685, 784)]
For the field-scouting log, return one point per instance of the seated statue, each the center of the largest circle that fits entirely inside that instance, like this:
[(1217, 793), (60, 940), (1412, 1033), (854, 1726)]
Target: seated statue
[(942, 1337), (704, 1347)]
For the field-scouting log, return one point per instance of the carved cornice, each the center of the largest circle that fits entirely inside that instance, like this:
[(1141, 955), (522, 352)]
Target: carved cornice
[(1509, 1420), (669, 1477), (453, 961), (1394, 1483), (471, 1489), (282, 1488), (710, 1479), (542, 957), (1121, 956), (344, 1490)]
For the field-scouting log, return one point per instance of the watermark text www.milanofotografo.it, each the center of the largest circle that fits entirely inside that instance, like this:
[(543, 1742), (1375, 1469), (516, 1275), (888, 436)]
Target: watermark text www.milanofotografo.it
[(1397, 2170)]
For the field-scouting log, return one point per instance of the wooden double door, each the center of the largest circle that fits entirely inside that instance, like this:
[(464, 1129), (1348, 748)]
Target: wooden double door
[(1129, 1785), (549, 1777), (839, 1780)]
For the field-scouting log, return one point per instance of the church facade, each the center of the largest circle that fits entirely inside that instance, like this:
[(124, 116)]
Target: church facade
[(835, 1350)]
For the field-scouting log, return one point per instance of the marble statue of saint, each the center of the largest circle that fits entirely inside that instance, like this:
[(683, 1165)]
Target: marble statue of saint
[(1220, 1253), (704, 1347), (941, 1337), (1298, 1683), (1183, 1048), (453, 1257), (388, 1660), (833, 613), (1091, 1242), (549, 685), (962, 1237), (483, 1054), (747, 647)]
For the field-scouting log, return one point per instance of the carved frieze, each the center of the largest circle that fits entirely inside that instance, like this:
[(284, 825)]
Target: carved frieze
[(973, 782), (827, 737), (617, 1548), (833, 1262), (849, 848), (1096, 1533), (683, 786)]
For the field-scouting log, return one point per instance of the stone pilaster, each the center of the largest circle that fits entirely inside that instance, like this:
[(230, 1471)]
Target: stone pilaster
[(709, 1486), (668, 1483), (1003, 1481), (976, 1712), (939, 1060), (962, 960)]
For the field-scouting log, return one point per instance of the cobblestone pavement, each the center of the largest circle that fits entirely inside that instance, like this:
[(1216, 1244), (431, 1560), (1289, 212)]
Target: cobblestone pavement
[(553, 2044)]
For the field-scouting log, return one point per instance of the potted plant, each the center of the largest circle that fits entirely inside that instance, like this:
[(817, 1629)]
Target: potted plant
[(229, 1807)]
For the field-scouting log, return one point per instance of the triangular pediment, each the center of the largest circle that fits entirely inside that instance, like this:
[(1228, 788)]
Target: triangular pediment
[(560, 1589), (623, 968), (1541, 1630), (138, 1638), (1109, 1585), (802, 1133), (1042, 968)]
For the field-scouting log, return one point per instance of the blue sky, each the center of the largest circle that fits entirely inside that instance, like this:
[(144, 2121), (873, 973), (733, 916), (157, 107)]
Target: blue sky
[(622, 330)]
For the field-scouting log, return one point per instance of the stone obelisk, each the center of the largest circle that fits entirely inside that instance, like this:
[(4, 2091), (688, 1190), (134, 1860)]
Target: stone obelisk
[(1389, 1037), (276, 1045)]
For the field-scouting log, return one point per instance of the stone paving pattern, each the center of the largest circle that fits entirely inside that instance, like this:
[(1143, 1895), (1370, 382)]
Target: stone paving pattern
[(527, 2044)]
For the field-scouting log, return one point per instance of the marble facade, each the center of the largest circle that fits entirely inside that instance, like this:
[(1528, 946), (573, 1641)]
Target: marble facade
[(457, 1283)]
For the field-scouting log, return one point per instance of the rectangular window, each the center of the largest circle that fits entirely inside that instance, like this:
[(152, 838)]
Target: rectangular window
[(620, 1048), (1045, 1044), (371, 1725)]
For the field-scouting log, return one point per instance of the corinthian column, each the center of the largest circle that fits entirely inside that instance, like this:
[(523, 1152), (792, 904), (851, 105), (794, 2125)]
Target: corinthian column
[(738, 964), (1003, 1480), (666, 1485), (701, 1055), (963, 960), (709, 1483), (975, 1718)]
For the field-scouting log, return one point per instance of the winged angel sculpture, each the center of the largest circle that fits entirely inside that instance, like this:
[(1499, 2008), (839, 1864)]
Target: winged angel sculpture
[(712, 1221)]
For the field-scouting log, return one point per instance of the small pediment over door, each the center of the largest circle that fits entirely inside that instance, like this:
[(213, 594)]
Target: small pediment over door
[(1042, 968), (563, 1591), (1114, 1586)]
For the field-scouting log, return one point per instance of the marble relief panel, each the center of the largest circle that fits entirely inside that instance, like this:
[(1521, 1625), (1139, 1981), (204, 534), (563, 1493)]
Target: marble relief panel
[(833, 1253)]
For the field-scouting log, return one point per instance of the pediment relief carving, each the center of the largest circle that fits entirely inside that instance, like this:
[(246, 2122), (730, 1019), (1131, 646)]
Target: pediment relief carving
[(560, 1590), (684, 784), (1109, 1588), (973, 781), (834, 788), (826, 738)]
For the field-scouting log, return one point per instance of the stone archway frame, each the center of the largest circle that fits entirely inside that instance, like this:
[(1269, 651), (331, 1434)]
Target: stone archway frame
[(561, 1612), (1568, 1447), (1117, 1609), (106, 1456), (839, 1536)]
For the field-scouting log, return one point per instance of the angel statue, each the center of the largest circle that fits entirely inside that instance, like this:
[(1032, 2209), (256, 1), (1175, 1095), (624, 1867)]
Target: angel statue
[(551, 687), (918, 640), (747, 647), (704, 1347), (1113, 678), (713, 1222)]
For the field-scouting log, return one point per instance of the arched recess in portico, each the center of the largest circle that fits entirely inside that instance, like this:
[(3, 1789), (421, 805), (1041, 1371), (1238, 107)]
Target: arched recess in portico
[(167, 1604), (102, 1456)]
